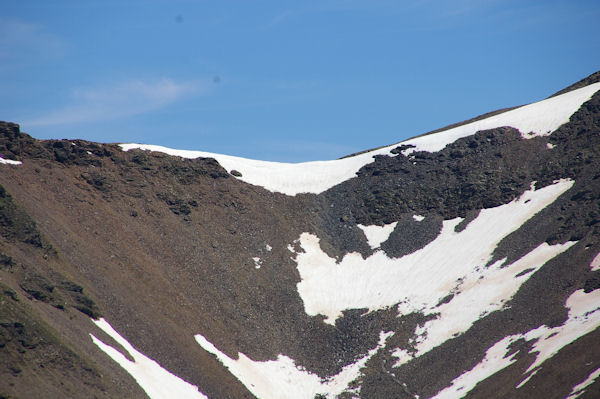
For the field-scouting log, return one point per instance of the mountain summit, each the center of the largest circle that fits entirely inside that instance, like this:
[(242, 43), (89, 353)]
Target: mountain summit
[(461, 263)]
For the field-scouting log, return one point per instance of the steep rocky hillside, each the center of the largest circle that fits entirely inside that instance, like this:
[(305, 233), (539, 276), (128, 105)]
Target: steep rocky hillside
[(462, 263)]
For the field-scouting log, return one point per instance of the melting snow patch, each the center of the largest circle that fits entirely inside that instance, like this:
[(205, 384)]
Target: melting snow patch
[(281, 378), (584, 317), (402, 355), (9, 162), (453, 263), (540, 118), (526, 380), (376, 235), (595, 265), (493, 362), (482, 292), (157, 382), (268, 247), (537, 119), (579, 389), (418, 218), (257, 262), (287, 178)]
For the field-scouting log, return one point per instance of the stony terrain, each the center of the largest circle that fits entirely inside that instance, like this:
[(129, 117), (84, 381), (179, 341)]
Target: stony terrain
[(166, 248)]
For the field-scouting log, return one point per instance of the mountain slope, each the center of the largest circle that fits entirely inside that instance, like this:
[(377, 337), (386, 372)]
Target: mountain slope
[(460, 263)]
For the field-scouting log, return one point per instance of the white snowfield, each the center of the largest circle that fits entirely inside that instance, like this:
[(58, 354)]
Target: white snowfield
[(157, 382), (537, 119), (452, 264), (376, 235), (584, 317), (595, 265), (9, 162), (282, 378), (579, 389)]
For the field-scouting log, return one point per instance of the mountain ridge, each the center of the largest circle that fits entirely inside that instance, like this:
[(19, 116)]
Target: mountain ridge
[(168, 248), (588, 80)]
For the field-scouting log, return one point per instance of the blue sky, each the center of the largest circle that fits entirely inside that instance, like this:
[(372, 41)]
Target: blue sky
[(282, 80)]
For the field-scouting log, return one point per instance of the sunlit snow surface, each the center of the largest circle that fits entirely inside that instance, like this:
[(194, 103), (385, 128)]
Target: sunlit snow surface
[(9, 162), (452, 264), (584, 317), (595, 265), (579, 389), (157, 382), (282, 378), (376, 235), (535, 119)]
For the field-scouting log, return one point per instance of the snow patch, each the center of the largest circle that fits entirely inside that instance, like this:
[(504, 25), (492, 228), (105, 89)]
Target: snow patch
[(287, 178), (282, 378), (550, 146), (257, 262), (584, 317), (526, 380), (536, 119), (157, 382), (9, 162), (451, 264), (482, 292), (493, 362), (579, 389), (402, 356), (418, 218), (595, 265), (376, 235), (268, 247)]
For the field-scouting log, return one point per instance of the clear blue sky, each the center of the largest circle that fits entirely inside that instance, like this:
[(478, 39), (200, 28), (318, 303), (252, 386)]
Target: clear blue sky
[(282, 80)]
